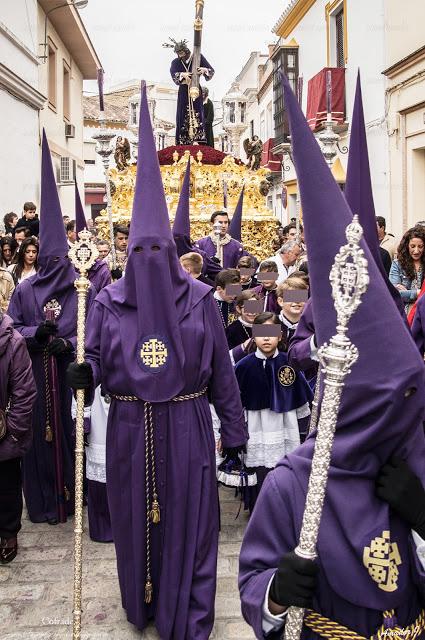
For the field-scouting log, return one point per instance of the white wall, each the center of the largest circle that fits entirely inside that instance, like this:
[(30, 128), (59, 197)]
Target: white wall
[(19, 127)]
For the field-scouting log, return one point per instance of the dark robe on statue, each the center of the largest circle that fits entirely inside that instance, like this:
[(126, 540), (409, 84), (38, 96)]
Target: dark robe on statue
[(182, 117), (209, 120)]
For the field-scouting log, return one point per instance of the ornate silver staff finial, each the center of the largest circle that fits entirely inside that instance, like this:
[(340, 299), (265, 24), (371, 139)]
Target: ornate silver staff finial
[(349, 279)]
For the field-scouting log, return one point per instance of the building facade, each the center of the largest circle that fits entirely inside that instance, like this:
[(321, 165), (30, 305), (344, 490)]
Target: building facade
[(21, 102), (67, 58), (320, 35), (405, 101)]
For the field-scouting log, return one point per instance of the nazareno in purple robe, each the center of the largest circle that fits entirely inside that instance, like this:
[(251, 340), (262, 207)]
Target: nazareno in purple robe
[(182, 120), (380, 414), (184, 544), (299, 351), (157, 308), (99, 275), (232, 251)]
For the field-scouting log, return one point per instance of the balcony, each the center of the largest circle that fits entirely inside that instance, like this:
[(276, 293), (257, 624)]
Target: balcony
[(268, 159), (316, 97)]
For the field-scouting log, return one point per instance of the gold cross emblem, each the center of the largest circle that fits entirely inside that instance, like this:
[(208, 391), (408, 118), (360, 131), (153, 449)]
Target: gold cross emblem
[(153, 353), (381, 560), (286, 376)]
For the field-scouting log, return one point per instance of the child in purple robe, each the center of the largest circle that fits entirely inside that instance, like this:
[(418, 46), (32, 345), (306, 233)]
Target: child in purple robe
[(225, 300), (290, 311), (240, 330), (276, 401), (268, 289)]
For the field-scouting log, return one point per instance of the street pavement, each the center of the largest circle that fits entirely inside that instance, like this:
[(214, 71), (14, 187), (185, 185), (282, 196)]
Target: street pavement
[(36, 588)]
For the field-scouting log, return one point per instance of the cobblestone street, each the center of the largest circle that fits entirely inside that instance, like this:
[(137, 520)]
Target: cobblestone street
[(36, 588)]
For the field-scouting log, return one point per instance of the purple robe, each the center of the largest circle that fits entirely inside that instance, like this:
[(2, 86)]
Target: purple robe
[(182, 121), (418, 325), (38, 463), (281, 506), (17, 385), (232, 251), (299, 352), (99, 275), (184, 543)]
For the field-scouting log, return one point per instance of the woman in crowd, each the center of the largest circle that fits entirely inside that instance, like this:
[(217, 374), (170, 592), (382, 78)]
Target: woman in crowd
[(8, 247), (407, 271), (26, 263)]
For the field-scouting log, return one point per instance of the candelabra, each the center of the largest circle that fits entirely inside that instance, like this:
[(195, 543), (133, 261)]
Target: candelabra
[(329, 140), (103, 147)]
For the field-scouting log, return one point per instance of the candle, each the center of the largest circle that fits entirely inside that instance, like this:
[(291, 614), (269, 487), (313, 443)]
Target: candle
[(329, 92), (225, 194), (100, 73)]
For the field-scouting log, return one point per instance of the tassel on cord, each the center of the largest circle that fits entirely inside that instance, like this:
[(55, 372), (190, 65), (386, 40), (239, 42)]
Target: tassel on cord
[(148, 591), (155, 513), (48, 433)]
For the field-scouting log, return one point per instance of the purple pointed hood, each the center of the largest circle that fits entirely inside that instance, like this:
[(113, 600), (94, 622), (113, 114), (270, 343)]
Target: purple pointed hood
[(358, 189), (154, 282), (181, 226), (80, 218), (56, 275), (235, 227), (381, 413)]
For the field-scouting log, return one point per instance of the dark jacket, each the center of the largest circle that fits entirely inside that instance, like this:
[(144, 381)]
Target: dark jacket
[(17, 391), (33, 225)]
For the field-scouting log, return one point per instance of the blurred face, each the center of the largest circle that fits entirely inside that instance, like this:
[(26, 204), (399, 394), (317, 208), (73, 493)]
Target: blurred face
[(224, 296), (245, 316), (30, 255), (7, 252), (267, 344), (416, 249), (292, 234), (103, 250), (66, 219), (245, 279), (291, 310), (19, 236), (292, 256), (269, 285), (381, 232), (183, 54), (13, 222), (121, 241), (72, 236), (224, 224), (30, 214)]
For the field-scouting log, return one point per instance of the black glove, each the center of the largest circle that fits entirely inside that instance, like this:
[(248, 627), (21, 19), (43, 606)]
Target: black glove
[(233, 452), (45, 330), (79, 376), (402, 489), (116, 273), (294, 582), (58, 346)]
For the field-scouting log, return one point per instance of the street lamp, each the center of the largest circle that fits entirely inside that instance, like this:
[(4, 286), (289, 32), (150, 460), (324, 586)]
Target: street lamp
[(78, 4)]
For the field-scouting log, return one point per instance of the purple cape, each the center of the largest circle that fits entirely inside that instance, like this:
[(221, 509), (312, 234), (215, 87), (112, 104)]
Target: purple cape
[(261, 389), (232, 251)]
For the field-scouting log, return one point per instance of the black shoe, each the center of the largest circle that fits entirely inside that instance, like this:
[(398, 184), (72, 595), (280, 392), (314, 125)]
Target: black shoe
[(52, 521), (8, 549)]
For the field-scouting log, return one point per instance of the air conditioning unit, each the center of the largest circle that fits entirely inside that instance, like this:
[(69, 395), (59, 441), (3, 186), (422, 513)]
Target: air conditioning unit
[(67, 169), (69, 130)]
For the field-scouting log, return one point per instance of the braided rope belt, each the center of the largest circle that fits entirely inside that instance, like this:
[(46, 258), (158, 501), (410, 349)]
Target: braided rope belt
[(153, 512), (389, 630)]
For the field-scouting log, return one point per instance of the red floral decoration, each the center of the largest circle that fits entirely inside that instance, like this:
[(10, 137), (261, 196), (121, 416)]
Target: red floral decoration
[(209, 155)]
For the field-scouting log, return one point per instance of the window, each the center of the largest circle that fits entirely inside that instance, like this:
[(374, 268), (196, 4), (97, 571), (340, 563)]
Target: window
[(51, 74), (269, 121), (286, 60), (242, 110), (66, 92), (89, 161), (251, 126), (336, 29)]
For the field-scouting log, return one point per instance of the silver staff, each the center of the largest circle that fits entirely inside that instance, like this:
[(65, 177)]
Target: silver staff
[(349, 279), (104, 149), (217, 231), (82, 255)]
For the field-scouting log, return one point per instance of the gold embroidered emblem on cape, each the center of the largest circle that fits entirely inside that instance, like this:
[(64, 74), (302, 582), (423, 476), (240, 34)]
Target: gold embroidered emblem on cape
[(286, 376), (381, 560), (153, 353)]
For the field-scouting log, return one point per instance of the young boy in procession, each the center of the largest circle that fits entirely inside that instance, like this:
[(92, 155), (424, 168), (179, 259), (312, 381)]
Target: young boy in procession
[(240, 330), (268, 284), (276, 401), (246, 264), (192, 263), (291, 310), (224, 296)]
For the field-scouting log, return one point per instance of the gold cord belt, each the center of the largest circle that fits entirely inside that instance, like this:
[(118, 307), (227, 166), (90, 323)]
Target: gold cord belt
[(331, 630), (153, 513)]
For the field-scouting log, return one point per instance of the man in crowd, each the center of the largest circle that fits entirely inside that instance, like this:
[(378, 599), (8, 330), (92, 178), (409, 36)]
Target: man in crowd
[(103, 248), (21, 234), (71, 234), (121, 241), (386, 240), (222, 245), (286, 259), (6, 289), (29, 219)]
